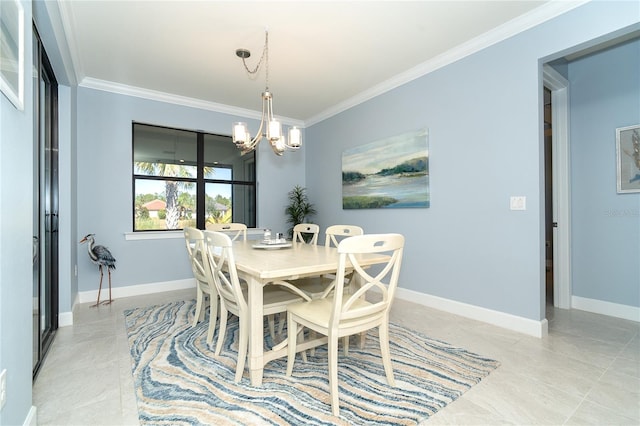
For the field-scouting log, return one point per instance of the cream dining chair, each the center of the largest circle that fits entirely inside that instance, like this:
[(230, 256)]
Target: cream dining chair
[(340, 315), (205, 288), (300, 231), (336, 233), (315, 287), (304, 229), (235, 231), (238, 231), (233, 296)]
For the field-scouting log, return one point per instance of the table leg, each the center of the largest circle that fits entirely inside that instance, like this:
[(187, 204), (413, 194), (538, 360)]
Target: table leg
[(256, 331)]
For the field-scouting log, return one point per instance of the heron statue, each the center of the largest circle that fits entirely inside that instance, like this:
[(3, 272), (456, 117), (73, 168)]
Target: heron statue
[(101, 256)]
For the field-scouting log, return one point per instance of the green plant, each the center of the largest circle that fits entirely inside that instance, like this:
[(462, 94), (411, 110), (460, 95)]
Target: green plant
[(299, 209)]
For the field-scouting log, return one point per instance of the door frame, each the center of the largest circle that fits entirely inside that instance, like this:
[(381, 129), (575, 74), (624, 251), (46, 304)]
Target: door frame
[(559, 87)]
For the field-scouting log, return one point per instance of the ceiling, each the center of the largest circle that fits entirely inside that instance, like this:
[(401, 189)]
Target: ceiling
[(324, 56)]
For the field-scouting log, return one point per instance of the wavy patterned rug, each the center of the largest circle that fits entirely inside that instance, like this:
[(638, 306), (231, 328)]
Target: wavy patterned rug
[(178, 381)]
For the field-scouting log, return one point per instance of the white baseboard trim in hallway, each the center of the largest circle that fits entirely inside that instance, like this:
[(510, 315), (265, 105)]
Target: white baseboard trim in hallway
[(499, 319), (617, 310)]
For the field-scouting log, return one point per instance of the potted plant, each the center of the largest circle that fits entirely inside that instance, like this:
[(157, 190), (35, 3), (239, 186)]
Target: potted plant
[(299, 209)]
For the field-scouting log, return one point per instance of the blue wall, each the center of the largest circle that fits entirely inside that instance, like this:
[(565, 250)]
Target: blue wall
[(605, 95), (485, 145), (16, 234), (484, 119), (104, 183)]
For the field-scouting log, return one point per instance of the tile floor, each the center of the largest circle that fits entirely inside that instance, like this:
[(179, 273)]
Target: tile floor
[(587, 371)]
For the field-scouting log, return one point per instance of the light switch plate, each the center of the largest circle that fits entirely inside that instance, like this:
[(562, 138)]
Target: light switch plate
[(518, 202)]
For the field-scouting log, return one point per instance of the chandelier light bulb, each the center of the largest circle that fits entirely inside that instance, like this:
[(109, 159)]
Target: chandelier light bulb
[(275, 130), (240, 133), (295, 137)]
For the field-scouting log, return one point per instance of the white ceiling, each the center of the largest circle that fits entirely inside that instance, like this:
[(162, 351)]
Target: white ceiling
[(324, 56)]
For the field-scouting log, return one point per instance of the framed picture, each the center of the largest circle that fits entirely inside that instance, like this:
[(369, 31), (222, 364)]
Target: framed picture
[(12, 51), (389, 173), (628, 158)]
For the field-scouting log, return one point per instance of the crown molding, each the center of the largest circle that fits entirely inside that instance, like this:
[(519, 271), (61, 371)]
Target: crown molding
[(550, 10), (154, 95), (509, 29)]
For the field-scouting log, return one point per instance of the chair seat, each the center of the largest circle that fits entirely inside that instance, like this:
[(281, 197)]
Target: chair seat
[(314, 287), (276, 300), (318, 311)]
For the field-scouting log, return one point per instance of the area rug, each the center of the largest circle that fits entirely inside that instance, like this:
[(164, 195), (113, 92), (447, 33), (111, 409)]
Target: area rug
[(178, 380)]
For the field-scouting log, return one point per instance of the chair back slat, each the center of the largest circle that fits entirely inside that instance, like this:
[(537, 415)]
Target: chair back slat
[(336, 233), (348, 309), (302, 231), (223, 272), (233, 230), (194, 240)]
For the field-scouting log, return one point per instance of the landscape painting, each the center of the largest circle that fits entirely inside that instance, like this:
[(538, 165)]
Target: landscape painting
[(389, 173)]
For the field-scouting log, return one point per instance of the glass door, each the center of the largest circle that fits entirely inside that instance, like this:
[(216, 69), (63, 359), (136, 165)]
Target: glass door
[(45, 213)]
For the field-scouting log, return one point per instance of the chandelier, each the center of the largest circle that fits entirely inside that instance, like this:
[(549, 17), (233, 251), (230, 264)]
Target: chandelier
[(272, 127)]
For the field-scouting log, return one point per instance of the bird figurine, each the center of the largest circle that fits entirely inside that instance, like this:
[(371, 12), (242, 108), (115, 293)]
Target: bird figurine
[(101, 256)]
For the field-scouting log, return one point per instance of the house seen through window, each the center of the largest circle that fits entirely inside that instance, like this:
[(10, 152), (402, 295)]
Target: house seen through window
[(188, 178)]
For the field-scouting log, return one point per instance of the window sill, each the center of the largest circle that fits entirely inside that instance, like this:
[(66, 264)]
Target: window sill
[(153, 235), (166, 235)]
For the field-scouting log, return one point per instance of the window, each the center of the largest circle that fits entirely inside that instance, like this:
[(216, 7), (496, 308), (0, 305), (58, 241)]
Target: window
[(187, 178)]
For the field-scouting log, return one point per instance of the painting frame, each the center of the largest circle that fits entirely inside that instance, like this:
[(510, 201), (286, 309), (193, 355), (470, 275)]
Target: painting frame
[(389, 173), (12, 51), (628, 159)]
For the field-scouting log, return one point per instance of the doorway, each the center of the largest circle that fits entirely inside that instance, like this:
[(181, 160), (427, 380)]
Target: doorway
[(45, 202), (557, 190), (548, 198)]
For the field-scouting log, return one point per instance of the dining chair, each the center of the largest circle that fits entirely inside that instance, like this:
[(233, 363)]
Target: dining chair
[(315, 287), (233, 296), (205, 288), (340, 315), (234, 230), (237, 231), (336, 233), (306, 231)]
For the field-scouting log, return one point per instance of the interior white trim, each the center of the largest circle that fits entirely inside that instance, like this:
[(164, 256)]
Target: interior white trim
[(154, 95), (65, 319), (631, 313), (500, 319), (137, 290), (510, 322), (165, 235), (535, 17), (562, 286), (32, 417), (152, 235)]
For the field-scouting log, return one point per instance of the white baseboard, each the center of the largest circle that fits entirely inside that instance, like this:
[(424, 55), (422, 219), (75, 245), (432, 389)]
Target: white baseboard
[(137, 290), (500, 319), (66, 318), (631, 313), (32, 417)]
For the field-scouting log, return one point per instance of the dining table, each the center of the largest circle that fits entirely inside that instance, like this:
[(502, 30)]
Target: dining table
[(259, 264)]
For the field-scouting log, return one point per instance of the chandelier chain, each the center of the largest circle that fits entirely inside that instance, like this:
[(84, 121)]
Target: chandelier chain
[(265, 53)]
